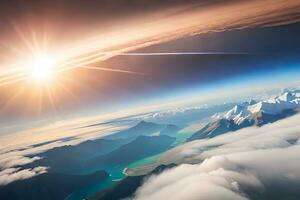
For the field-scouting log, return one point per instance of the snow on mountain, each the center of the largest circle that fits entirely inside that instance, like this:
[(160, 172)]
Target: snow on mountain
[(288, 100), (275, 105)]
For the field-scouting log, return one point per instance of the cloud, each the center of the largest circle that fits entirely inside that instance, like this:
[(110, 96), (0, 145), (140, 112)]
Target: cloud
[(19, 148), (13, 174), (160, 27), (7, 161), (192, 182), (251, 163), (15, 148)]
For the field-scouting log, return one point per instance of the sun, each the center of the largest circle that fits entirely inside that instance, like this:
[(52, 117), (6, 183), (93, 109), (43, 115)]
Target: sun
[(42, 68)]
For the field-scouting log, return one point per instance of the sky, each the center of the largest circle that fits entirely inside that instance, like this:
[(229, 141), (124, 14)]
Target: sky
[(100, 75), (73, 71), (116, 62)]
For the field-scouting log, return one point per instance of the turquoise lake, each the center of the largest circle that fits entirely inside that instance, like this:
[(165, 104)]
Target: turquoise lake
[(116, 174)]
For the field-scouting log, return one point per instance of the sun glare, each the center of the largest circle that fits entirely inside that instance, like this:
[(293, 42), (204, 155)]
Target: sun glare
[(42, 68)]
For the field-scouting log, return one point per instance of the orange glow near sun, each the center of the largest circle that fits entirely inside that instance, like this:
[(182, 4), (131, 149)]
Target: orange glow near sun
[(49, 74)]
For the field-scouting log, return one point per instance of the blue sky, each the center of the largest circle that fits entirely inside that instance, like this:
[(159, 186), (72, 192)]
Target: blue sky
[(250, 55)]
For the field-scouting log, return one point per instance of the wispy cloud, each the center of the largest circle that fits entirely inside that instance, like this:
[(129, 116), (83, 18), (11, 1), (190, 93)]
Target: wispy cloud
[(168, 25), (13, 174), (253, 162), (180, 53), (10, 160)]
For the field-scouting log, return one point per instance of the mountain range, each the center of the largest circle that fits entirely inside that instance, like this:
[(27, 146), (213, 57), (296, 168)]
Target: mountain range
[(72, 167), (70, 159), (272, 106), (251, 113), (141, 147), (146, 129)]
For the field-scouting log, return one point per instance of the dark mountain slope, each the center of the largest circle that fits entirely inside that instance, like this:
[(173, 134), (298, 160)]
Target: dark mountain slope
[(48, 186), (67, 159), (127, 187), (141, 147), (222, 126), (142, 128)]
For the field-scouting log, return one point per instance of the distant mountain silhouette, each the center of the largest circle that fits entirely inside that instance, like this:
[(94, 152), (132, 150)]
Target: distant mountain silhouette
[(68, 159), (142, 128), (141, 147), (88, 157), (170, 130)]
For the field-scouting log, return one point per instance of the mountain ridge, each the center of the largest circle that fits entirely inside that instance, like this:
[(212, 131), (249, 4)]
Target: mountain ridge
[(224, 125), (289, 99)]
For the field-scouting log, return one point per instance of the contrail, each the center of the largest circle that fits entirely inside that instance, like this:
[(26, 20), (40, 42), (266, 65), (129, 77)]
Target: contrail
[(181, 53), (135, 35), (112, 70)]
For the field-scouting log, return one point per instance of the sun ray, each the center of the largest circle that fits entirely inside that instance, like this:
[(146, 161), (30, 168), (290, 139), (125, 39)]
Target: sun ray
[(12, 81), (23, 37), (19, 91), (51, 98), (40, 101), (111, 70), (66, 89)]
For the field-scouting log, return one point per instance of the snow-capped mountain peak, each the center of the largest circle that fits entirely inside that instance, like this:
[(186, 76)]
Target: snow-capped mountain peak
[(287, 100)]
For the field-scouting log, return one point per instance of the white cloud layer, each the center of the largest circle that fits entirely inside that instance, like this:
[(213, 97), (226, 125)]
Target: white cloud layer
[(251, 163), (13, 174), (8, 161)]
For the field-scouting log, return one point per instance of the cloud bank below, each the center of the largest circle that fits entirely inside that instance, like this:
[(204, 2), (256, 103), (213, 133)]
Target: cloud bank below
[(248, 164)]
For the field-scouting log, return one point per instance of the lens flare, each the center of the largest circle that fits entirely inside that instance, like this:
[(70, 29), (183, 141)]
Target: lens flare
[(42, 67)]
